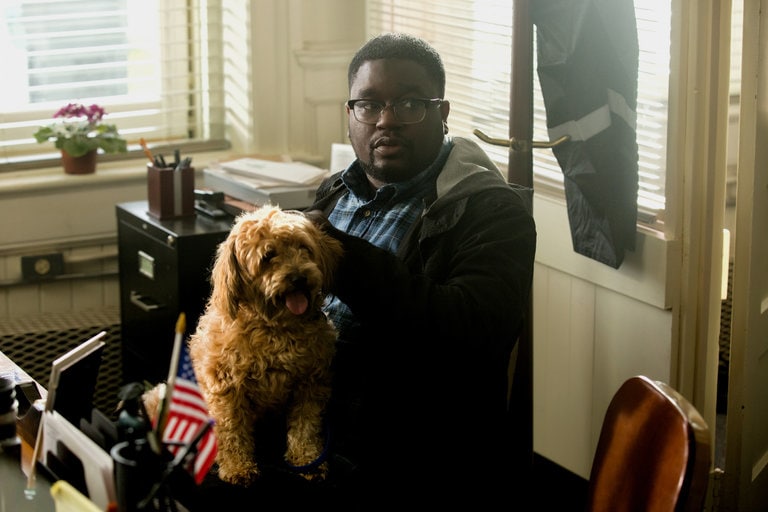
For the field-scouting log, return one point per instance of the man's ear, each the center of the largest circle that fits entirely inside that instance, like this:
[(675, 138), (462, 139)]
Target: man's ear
[(445, 109)]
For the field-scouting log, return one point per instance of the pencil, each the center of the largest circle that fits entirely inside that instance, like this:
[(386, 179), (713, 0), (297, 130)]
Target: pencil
[(147, 152), (29, 491)]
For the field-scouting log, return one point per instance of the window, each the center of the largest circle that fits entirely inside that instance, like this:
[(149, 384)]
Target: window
[(147, 63), (737, 14), (473, 38)]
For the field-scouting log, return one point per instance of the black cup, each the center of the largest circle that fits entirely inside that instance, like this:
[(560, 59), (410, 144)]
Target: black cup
[(9, 407), (137, 470)]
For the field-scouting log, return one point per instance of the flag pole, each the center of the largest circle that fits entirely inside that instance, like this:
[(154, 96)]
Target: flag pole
[(189, 449), (162, 417)]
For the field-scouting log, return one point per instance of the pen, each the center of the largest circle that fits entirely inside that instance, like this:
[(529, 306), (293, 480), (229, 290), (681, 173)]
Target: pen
[(154, 443), (184, 163)]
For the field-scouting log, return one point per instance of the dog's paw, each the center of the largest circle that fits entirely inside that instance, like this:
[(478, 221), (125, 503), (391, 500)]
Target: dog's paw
[(316, 475), (307, 468), (243, 475)]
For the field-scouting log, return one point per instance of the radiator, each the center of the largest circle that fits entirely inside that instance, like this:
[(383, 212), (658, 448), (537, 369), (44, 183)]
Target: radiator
[(33, 343), (724, 360)]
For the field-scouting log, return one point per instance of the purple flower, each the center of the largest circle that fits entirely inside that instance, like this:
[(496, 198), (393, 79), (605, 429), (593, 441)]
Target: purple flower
[(93, 113)]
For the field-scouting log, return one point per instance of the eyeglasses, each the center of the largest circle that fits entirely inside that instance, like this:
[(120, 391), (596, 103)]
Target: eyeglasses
[(407, 111)]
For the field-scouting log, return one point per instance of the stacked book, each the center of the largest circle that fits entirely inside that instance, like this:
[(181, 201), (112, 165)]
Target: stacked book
[(289, 185)]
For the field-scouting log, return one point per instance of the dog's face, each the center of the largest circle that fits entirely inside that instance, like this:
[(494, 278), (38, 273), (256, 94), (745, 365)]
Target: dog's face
[(275, 262)]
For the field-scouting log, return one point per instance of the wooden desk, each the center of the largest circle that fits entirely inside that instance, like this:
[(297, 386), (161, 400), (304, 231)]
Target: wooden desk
[(11, 370), (13, 481)]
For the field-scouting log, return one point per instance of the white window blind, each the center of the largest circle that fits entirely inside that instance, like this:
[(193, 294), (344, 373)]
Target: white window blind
[(474, 36), (151, 64), (737, 26)]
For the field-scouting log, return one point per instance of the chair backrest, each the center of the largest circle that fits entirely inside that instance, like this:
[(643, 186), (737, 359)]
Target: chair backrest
[(653, 453)]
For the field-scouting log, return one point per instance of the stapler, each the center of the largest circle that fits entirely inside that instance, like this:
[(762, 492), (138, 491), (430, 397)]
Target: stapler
[(210, 203)]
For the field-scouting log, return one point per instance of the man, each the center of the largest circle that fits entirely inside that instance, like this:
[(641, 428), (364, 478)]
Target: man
[(430, 295)]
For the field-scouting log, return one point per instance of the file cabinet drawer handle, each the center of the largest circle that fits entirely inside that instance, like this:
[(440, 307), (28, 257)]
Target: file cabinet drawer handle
[(144, 303)]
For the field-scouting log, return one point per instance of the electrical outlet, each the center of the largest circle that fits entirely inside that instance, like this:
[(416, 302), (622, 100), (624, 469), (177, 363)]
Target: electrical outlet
[(41, 267)]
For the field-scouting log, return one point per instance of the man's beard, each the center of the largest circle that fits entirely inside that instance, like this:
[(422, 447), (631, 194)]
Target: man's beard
[(383, 175), (373, 172)]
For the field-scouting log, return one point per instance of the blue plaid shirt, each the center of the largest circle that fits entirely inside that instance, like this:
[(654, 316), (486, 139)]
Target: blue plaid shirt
[(382, 217)]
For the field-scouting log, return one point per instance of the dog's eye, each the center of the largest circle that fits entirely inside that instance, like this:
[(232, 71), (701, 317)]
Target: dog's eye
[(268, 256)]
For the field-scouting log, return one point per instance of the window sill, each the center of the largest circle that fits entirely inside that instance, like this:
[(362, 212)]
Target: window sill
[(643, 275), (51, 208), (52, 179)]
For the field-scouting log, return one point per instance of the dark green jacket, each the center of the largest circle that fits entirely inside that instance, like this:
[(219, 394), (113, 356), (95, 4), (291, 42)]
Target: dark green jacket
[(421, 389)]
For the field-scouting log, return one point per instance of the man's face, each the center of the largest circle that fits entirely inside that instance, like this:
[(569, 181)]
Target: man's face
[(389, 150)]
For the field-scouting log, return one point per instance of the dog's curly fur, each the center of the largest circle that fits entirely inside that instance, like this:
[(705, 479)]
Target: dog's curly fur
[(263, 344)]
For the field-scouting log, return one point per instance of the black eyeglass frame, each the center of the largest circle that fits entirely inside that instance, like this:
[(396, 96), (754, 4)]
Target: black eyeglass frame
[(425, 101)]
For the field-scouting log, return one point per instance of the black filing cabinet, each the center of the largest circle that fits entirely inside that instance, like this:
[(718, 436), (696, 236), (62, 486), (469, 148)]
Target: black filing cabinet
[(164, 271)]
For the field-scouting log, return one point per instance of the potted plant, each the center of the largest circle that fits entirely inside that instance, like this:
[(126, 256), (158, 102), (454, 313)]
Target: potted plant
[(79, 131)]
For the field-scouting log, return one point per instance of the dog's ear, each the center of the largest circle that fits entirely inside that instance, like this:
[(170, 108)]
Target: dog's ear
[(226, 281)]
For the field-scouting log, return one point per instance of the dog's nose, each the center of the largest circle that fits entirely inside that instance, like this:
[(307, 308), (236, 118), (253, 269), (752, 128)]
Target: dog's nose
[(299, 282)]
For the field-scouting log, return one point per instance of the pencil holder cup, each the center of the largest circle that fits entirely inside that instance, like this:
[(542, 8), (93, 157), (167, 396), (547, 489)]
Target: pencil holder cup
[(9, 408), (170, 191), (136, 472)]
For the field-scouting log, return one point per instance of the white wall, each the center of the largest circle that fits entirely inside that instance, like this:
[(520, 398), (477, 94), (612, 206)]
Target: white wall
[(47, 211), (593, 327)]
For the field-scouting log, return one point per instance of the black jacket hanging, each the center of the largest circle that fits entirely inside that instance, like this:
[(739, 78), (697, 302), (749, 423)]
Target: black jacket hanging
[(587, 66)]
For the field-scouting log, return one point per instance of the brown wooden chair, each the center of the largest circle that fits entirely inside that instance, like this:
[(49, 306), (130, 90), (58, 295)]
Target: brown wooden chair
[(653, 453)]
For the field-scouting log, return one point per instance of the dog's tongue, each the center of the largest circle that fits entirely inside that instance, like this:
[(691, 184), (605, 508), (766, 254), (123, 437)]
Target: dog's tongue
[(296, 302)]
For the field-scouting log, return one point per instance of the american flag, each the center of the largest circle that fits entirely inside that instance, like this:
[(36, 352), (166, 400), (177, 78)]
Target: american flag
[(187, 415)]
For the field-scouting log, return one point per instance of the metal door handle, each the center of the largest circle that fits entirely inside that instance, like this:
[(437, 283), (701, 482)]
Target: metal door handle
[(520, 145)]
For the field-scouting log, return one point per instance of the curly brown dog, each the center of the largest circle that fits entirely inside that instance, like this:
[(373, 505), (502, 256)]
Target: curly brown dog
[(263, 343)]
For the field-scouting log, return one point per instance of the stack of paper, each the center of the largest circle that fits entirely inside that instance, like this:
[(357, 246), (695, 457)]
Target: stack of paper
[(72, 456), (284, 184), (276, 173)]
